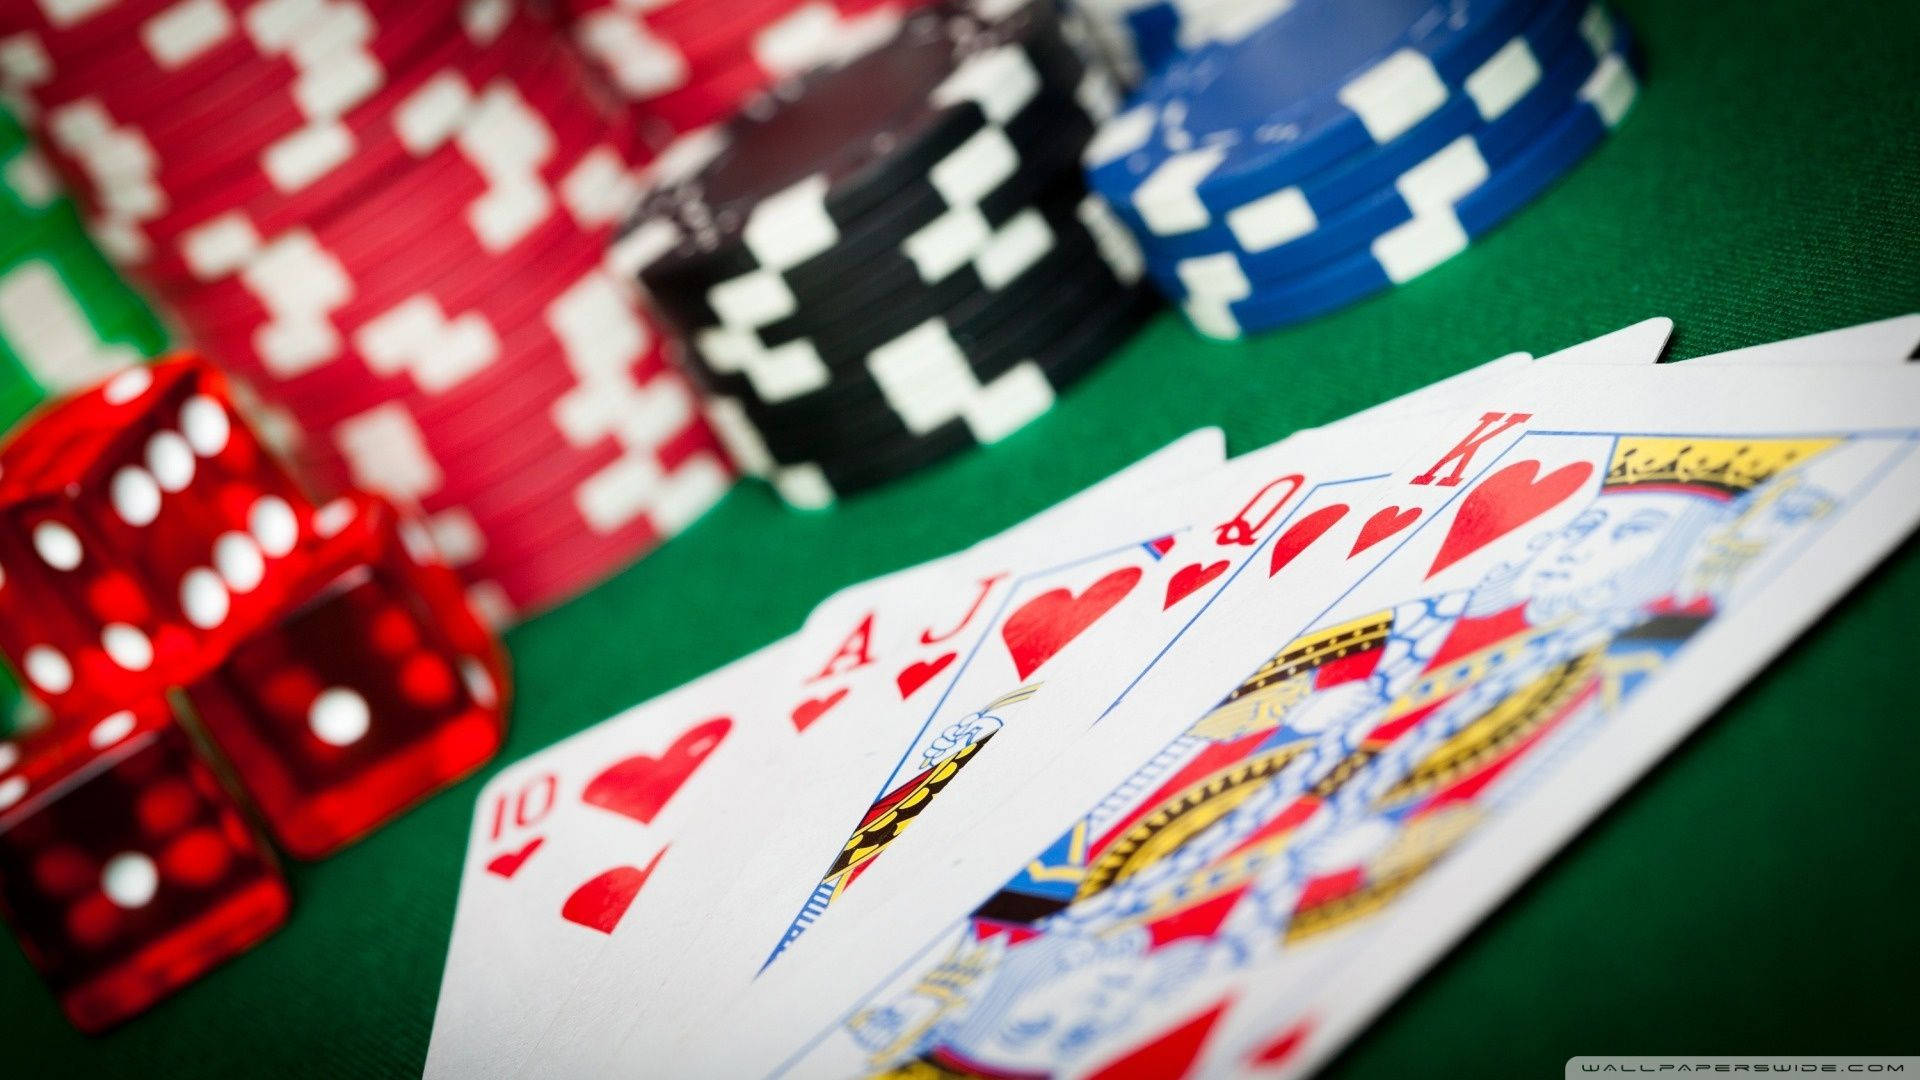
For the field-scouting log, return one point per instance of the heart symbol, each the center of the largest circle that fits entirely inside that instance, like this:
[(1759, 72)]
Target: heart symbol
[(813, 709), (1049, 622), (915, 675), (1190, 577), (508, 863), (602, 900), (1384, 523), (1284, 1045), (1302, 534), (1169, 1054), (1502, 503), (640, 786), (1161, 546)]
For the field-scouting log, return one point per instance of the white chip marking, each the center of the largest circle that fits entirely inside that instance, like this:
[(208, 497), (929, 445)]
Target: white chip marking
[(791, 226), (1451, 174), (778, 374), (29, 178), (457, 536), (804, 487), (415, 338), (508, 142), (599, 190), (387, 452), (639, 62), (1014, 249), (1119, 248), (925, 377), (12, 790), (1214, 277), (221, 246), (601, 336), (300, 284), (1168, 200), (10, 754), (1411, 249), (945, 244), (1000, 80), (430, 115), (1123, 134), (180, 34), (1272, 220), (976, 167), (1504, 79), (1611, 90), (795, 42), (752, 300), (1395, 94), (55, 339)]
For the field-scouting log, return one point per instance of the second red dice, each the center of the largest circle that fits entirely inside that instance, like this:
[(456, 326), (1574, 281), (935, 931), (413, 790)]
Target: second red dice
[(378, 689)]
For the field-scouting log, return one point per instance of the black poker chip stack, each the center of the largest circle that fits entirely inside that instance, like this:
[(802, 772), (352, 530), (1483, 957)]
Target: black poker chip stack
[(886, 262)]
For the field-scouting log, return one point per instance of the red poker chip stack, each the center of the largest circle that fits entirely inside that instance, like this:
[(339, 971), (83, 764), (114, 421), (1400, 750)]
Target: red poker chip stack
[(390, 218), (687, 64)]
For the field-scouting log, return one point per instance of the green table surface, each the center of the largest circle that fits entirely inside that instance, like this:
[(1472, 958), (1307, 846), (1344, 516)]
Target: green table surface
[(1754, 894)]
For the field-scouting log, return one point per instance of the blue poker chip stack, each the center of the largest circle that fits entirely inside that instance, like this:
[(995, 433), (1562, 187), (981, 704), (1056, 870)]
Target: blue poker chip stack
[(1284, 170)]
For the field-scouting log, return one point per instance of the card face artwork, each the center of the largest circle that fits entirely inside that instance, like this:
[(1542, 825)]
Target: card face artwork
[(1598, 558)]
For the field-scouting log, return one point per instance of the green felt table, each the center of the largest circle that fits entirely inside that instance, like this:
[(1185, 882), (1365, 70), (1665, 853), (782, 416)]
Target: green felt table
[(1754, 894)]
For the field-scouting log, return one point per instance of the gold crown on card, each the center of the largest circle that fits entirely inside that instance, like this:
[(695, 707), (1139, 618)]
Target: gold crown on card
[(1717, 468)]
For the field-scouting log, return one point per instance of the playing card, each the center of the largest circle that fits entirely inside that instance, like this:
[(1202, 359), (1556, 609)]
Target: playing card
[(564, 844), (1588, 562), (1889, 341), (1102, 616), (542, 1008)]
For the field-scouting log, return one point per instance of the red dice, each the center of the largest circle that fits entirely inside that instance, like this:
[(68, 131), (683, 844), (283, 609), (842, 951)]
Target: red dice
[(379, 689), (125, 869), (152, 552), (143, 531)]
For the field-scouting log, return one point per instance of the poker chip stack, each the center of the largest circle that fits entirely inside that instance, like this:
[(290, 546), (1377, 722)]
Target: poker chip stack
[(1142, 36), (389, 217), (1343, 148), (66, 317), (891, 260), (686, 64)]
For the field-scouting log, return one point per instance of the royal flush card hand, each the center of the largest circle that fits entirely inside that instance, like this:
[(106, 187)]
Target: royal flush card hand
[(1593, 560)]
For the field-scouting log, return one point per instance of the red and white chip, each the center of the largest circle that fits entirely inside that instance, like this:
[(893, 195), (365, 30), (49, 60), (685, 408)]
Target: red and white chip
[(687, 64), (390, 219)]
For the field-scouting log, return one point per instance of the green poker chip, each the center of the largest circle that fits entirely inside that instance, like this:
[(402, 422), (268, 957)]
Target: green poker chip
[(30, 195), (67, 318)]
